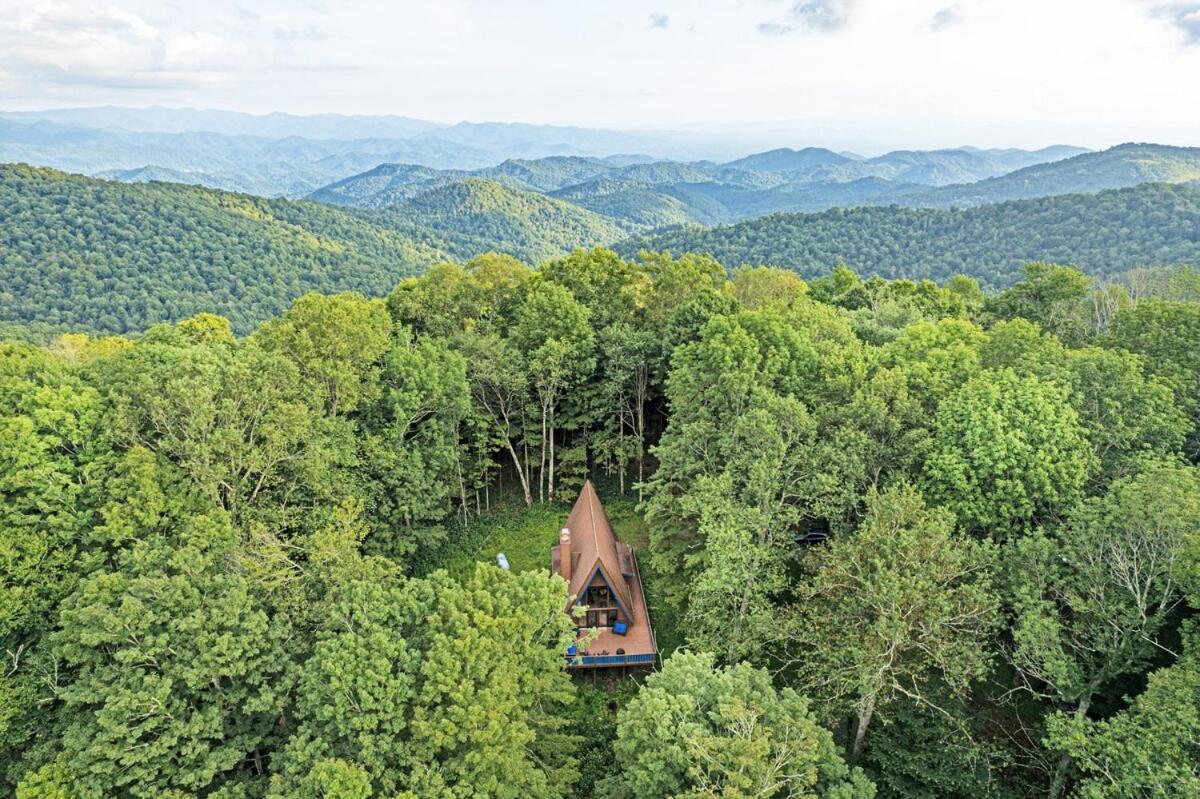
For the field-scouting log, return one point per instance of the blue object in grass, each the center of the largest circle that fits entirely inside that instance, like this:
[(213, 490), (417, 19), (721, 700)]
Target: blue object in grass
[(620, 628), (572, 650)]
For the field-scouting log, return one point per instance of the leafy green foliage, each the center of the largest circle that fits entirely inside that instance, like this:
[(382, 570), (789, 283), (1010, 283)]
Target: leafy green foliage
[(1008, 453), (695, 730), (179, 674), (900, 611), (1150, 748)]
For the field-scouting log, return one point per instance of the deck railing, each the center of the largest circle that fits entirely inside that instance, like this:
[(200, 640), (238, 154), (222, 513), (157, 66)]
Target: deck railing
[(610, 660)]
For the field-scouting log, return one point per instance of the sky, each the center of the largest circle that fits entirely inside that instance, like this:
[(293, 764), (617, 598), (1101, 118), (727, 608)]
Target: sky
[(911, 72)]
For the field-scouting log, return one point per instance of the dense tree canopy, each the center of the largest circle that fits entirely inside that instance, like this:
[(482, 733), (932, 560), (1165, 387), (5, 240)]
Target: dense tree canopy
[(914, 540)]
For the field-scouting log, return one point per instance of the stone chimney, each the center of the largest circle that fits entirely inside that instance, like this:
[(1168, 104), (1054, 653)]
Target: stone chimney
[(564, 554)]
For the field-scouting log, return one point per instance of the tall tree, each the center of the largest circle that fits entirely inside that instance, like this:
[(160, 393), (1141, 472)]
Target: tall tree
[(1054, 296), (173, 676), (1151, 748), (553, 331), (336, 342), (500, 388), (410, 441), (487, 708), (748, 517), (903, 609), (1090, 599), (629, 366), (1167, 335)]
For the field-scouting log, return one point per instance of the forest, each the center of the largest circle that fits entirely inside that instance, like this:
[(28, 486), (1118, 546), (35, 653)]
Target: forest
[(1103, 234), (902, 539)]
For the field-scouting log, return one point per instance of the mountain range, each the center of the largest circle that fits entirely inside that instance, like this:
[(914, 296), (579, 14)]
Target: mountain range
[(649, 194), (290, 155), (99, 255), (183, 210)]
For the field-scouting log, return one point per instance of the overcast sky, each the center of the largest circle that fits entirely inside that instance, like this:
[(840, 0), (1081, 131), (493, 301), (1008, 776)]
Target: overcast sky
[(915, 72)]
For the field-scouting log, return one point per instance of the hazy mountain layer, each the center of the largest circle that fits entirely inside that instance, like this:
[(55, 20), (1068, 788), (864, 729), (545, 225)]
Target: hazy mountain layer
[(647, 195)]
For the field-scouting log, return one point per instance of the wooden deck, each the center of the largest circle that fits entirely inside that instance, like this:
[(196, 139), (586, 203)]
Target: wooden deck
[(638, 645)]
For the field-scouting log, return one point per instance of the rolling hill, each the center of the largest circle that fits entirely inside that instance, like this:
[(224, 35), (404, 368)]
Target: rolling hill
[(116, 257), (1104, 233), (113, 257), (637, 204), (477, 215)]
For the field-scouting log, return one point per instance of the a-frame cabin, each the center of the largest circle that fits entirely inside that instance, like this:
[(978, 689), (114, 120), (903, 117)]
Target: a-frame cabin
[(602, 576)]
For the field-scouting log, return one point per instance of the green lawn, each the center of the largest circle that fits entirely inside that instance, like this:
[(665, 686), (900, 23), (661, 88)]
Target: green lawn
[(526, 535)]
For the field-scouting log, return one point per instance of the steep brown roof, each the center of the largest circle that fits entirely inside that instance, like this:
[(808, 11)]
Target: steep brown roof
[(593, 545)]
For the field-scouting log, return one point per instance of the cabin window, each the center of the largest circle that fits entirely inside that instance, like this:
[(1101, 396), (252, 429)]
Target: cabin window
[(603, 617), (601, 604)]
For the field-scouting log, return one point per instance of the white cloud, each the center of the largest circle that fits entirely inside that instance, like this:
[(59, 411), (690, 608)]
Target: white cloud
[(810, 15), (1184, 16), (946, 17)]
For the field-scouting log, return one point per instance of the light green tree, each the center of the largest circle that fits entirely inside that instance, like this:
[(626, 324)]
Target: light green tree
[(410, 442), (1054, 296), (1167, 335), (336, 342), (1008, 452), (1149, 749), (487, 710), (747, 517), (178, 676), (766, 288), (355, 691), (695, 730), (499, 387)]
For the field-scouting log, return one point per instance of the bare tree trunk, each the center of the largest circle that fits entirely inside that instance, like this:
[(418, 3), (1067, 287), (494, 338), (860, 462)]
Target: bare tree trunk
[(621, 465), (520, 473), (462, 493), (641, 465), (542, 463), (860, 729), (735, 637), (550, 483), (642, 381)]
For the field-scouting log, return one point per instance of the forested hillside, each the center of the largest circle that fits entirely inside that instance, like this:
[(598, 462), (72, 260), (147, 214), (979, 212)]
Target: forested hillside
[(78, 253), (901, 540), (95, 255), (475, 216), (1103, 234)]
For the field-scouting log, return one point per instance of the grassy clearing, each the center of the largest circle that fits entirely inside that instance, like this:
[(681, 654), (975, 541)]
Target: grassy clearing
[(525, 536)]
